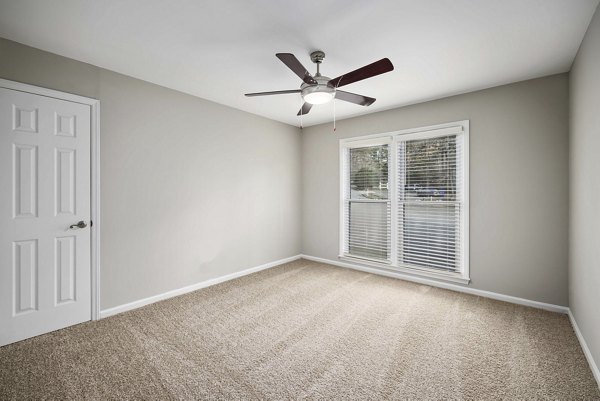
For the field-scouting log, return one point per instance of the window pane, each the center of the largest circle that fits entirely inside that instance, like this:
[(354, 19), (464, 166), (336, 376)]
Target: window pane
[(369, 172), (430, 168), (430, 235), (369, 229)]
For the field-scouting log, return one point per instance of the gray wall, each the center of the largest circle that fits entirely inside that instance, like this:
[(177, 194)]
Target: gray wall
[(518, 178), (191, 190), (584, 251), (175, 167)]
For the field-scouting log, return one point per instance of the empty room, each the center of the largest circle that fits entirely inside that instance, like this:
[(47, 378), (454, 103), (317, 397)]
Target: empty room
[(280, 200)]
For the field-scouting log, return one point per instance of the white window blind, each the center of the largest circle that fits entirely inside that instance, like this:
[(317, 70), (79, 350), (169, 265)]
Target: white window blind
[(411, 186), (429, 202), (367, 204)]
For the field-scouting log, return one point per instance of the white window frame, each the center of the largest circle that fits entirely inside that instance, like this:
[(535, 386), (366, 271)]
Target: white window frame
[(392, 139)]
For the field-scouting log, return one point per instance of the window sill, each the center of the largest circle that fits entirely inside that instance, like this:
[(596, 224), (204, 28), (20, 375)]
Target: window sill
[(387, 267)]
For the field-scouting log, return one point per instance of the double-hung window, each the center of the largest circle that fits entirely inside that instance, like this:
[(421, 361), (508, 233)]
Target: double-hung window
[(368, 202), (404, 202)]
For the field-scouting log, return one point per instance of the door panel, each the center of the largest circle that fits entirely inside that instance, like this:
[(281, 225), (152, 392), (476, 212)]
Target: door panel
[(25, 276), (64, 181), (65, 269), (45, 281), (25, 180)]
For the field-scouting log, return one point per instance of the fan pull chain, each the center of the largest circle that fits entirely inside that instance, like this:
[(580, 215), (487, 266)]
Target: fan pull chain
[(301, 112), (333, 113)]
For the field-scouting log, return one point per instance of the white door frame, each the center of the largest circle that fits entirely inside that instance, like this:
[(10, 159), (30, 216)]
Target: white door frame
[(94, 172)]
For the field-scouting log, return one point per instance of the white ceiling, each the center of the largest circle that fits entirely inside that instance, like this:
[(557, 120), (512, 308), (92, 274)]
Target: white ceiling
[(219, 50)]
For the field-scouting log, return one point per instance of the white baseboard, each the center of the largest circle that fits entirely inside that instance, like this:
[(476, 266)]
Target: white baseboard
[(585, 348), (180, 291), (448, 286)]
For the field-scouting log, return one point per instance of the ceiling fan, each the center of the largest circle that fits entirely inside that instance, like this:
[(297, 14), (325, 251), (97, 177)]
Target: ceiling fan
[(319, 89)]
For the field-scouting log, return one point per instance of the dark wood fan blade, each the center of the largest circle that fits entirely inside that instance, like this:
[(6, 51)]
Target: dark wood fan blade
[(354, 98), (305, 108), (273, 93), (293, 64), (379, 67)]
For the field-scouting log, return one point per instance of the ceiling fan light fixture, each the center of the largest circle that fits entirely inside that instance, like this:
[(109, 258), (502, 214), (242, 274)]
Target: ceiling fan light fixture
[(318, 97), (318, 94)]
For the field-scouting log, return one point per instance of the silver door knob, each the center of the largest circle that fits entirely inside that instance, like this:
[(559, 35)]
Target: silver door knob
[(81, 224)]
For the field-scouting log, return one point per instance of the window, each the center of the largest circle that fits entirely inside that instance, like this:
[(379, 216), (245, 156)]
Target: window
[(404, 200), (368, 203)]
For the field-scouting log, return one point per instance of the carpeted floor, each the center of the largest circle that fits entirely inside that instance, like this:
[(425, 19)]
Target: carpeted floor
[(307, 330)]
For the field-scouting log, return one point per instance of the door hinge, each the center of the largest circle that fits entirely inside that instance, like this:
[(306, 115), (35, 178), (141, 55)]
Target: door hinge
[(91, 223)]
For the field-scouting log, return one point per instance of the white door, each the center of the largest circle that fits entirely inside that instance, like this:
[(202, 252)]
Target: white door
[(44, 189)]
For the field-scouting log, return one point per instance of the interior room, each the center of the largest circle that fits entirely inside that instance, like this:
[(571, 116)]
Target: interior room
[(282, 200)]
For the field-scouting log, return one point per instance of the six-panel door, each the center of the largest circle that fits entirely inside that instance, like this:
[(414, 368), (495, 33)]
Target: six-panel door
[(44, 189)]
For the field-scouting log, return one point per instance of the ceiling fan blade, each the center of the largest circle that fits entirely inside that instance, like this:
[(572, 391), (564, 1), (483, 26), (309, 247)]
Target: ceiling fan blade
[(273, 93), (379, 67), (293, 64), (305, 108), (354, 98)]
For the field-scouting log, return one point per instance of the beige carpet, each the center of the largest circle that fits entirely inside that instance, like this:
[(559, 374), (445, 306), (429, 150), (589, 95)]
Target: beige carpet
[(307, 330)]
